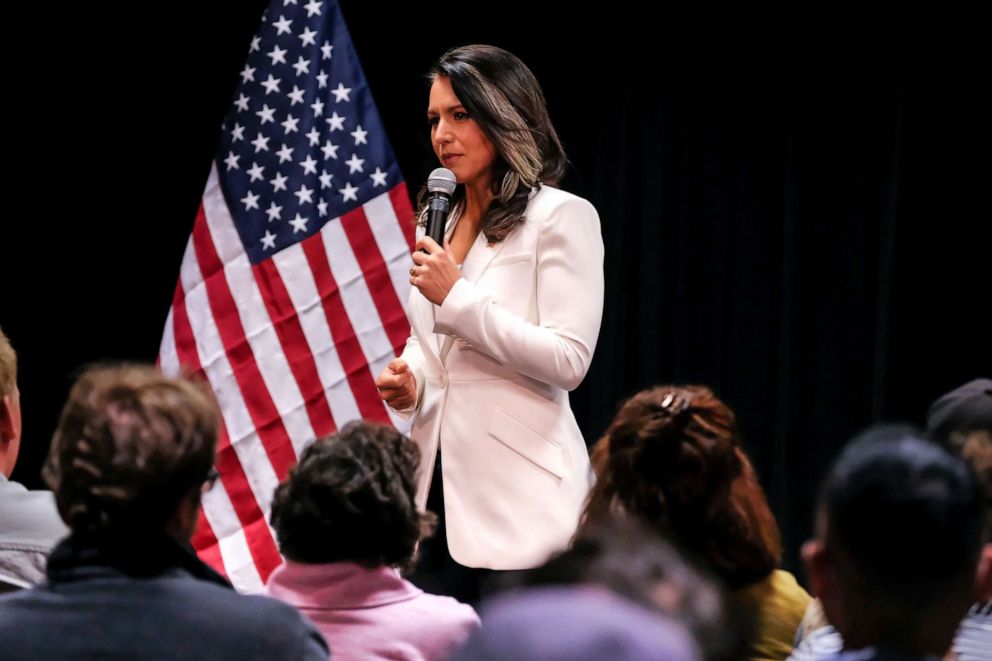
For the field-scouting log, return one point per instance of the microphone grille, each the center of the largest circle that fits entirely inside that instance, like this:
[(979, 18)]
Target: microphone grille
[(442, 180)]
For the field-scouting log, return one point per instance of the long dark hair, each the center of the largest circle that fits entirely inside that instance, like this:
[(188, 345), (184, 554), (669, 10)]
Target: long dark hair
[(505, 100), (672, 458)]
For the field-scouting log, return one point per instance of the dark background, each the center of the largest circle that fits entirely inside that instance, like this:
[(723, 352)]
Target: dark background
[(797, 218)]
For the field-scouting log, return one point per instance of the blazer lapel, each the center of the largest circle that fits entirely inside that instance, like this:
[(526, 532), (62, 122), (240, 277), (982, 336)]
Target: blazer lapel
[(476, 262)]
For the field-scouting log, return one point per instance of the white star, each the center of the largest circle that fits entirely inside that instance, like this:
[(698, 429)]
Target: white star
[(261, 143), (321, 80), (359, 135), (336, 122), (271, 84), (330, 150), (322, 208), (355, 164), (279, 183), (326, 50), (305, 194), (274, 211), (378, 178), (237, 133), (242, 103), (269, 240), (308, 37), (296, 96), (314, 136), (302, 66), (318, 108), (341, 93), (248, 73), (255, 43), (285, 154), (349, 192), (309, 165), (282, 26), (231, 161), (286, 3), (278, 55), (256, 172), (250, 200), (289, 126), (299, 224), (312, 7), (325, 179), (267, 114)]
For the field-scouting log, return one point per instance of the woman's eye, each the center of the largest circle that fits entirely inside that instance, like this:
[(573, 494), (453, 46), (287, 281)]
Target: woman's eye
[(461, 115), (432, 121)]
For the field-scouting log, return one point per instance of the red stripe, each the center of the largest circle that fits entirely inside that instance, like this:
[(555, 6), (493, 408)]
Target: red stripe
[(205, 542), (261, 408), (349, 350), (400, 198), (294, 345), (363, 244), (261, 546)]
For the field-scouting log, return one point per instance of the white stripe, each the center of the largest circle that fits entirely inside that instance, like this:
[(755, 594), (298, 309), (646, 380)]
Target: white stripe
[(168, 357), (356, 297), (392, 243), (277, 376), (241, 430), (297, 276), (238, 563)]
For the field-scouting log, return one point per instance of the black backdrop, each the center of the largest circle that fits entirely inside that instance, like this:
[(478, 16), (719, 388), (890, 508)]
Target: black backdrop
[(799, 221)]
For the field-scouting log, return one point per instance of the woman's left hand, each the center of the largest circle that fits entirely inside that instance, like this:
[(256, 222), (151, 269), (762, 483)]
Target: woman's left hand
[(436, 273)]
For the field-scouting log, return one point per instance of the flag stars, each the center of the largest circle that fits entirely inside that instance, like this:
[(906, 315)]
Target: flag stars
[(302, 66), (318, 108), (325, 50), (349, 192), (308, 37), (314, 136), (296, 96), (341, 93), (242, 103), (309, 165), (261, 143), (274, 212), (285, 154), (237, 133), (299, 224), (359, 135), (378, 178), (313, 8), (336, 122), (321, 80), (231, 161), (267, 114), (305, 195), (355, 164), (279, 183), (250, 201), (325, 179), (290, 125), (282, 26), (255, 44), (271, 84), (330, 150), (322, 208), (255, 172), (278, 55), (248, 73), (269, 241)]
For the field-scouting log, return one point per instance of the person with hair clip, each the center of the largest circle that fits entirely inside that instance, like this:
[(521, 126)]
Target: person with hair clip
[(672, 458), (504, 322)]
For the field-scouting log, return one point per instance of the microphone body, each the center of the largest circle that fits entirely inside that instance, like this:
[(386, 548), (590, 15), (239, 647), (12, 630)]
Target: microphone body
[(441, 184)]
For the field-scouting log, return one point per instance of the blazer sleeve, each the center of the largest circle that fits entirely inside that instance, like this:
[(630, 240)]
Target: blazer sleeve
[(414, 358), (569, 280)]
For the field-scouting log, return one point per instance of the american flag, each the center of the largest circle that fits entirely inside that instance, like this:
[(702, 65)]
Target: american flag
[(292, 289)]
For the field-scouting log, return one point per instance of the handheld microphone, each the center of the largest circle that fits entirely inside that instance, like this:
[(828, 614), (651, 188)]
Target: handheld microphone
[(440, 184)]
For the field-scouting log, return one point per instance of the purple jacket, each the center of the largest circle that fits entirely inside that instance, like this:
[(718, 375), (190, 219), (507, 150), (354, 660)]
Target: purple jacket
[(373, 613)]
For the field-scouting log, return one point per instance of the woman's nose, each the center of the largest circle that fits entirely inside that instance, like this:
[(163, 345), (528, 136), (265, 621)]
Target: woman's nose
[(442, 134)]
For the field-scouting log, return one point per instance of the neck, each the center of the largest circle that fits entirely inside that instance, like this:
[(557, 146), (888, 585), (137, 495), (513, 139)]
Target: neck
[(478, 195)]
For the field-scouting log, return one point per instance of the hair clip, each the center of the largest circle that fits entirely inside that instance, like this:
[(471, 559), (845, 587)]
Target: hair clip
[(674, 403)]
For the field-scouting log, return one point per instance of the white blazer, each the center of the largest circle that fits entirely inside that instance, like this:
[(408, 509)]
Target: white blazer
[(493, 365)]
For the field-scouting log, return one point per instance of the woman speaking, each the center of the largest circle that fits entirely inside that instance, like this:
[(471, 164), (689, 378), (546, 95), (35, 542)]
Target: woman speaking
[(505, 318)]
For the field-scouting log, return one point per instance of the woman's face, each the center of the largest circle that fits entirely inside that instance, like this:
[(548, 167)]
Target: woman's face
[(459, 143)]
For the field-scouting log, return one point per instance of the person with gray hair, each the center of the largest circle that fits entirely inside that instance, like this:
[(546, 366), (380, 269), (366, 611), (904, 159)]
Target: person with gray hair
[(131, 455), (29, 523)]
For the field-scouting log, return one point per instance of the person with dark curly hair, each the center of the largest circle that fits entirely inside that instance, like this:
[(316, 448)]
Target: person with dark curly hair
[(346, 520), (130, 458), (672, 458)]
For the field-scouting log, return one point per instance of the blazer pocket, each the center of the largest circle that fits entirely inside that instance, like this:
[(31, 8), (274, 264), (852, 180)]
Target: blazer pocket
[(512, 259), (531, 445)]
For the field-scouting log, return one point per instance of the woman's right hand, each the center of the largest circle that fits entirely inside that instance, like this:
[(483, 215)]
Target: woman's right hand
[(397, 385)]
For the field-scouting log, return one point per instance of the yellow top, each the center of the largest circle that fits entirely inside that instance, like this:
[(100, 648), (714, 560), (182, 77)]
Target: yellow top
[(777, 604)]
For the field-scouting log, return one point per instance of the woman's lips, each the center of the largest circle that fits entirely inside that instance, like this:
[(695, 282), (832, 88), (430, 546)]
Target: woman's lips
[(449, 159)]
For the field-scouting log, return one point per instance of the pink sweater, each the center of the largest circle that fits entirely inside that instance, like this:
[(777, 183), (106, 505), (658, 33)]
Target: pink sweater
[(373, 613)]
